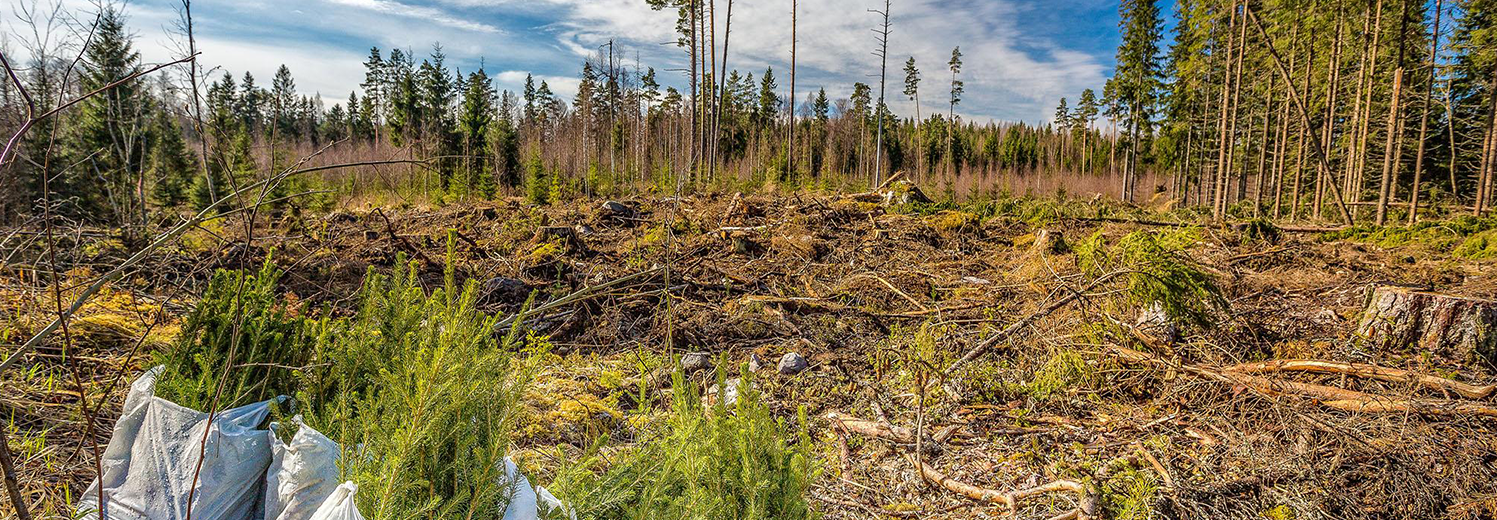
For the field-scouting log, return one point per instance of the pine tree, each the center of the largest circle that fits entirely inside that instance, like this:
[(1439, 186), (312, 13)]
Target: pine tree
[(110, 128), (957, 89), (249, 106), (1137, 78), (172, 167), (912, 91)]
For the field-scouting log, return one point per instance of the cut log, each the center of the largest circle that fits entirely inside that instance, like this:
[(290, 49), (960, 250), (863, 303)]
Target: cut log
[(1402, 319)]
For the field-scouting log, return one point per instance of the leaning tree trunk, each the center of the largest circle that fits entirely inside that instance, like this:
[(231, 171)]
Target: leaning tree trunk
[(1401, 319)]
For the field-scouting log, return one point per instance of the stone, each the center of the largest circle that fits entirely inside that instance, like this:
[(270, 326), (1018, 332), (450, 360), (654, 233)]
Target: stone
[(792, 363), (616, 209), (503, 290), (756, 363), (694, 361)]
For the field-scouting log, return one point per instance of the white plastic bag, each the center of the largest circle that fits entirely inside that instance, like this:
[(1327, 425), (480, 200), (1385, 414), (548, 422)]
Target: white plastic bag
[(302, 473), (149, 466), (527, 502), (339, 505)]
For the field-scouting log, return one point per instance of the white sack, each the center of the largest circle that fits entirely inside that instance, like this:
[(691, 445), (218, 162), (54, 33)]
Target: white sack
[(339, 505), (302, 473), (527, 502), (149, 465)]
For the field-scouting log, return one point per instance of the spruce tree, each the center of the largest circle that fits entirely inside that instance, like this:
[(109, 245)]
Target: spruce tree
[(172, 166), (473, 128), (1137, 78), (109, 133)]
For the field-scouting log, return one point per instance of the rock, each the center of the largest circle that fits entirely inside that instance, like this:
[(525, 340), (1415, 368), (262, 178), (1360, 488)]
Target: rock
[(1398, 318), (616, 210), (730, 391), (341, 217), (792, 363), (756, 363), (586, 230), (694, 361)]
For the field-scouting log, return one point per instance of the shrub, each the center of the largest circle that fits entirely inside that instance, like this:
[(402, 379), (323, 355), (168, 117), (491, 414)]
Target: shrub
[(709, 462), (1157, 271), (423, 398), (240, 320)]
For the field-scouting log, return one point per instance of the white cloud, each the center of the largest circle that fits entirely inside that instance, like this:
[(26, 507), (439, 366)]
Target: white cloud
[(1008, 74), (426, 13)]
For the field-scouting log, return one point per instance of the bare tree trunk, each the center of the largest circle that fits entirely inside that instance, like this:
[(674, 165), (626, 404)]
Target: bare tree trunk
[(722, 96), (883, 53), (1223, 139), (1484, 178), (1263, 151), (1390, 163), (1429, 90), (1322, 171), (790, 138)]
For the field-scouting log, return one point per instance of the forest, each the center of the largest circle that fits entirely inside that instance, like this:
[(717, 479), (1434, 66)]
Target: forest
[(1248, 275)]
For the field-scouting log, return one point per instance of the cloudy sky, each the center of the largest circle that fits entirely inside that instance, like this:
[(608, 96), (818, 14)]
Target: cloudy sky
[(1021, 56)]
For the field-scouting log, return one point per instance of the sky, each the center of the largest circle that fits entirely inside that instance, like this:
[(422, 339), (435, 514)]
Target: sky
[(1020, 56)]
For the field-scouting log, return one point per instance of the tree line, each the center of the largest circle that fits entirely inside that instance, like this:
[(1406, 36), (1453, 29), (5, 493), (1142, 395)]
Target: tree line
[(1284, 109)]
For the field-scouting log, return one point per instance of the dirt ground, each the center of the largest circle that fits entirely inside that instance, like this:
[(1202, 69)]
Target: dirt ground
[(879, 301)]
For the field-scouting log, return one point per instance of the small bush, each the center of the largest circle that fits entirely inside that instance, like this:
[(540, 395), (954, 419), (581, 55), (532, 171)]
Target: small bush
[(1157, 271), (241, 320), (709, 462)]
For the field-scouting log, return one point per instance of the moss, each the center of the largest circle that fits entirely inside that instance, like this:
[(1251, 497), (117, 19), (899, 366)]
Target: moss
[(1129, 494), (1479, 246), (545, 253), (1064, 370), (1280, 512), (950, 221)]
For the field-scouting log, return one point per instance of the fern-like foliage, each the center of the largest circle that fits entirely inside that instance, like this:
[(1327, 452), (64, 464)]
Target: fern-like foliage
[(1159, 271)]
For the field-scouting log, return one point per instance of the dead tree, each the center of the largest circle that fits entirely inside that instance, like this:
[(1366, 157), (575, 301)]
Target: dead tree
[(883, 55)]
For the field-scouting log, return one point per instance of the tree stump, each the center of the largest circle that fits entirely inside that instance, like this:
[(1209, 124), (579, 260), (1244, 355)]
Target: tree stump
[(1401, 318)]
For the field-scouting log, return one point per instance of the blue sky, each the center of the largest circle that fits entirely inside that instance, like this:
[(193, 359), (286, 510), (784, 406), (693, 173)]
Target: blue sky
[(1021, 56)]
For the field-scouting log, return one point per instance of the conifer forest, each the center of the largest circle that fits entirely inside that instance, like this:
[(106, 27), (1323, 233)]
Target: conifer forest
[(1237, 260)]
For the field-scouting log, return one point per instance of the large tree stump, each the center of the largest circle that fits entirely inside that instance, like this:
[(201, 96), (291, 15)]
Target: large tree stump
[(1401, 318)]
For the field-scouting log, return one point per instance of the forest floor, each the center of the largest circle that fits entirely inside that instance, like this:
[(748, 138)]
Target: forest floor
[(879, 300)]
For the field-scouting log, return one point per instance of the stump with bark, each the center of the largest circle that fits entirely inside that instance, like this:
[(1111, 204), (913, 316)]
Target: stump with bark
[(1401, 318)]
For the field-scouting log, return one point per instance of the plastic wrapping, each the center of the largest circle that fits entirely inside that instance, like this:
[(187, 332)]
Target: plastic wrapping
[(302, 474), (150, 468)]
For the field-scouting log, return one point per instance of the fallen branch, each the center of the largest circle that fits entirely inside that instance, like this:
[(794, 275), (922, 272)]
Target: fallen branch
[(1327, 396), (999, 336), (1086, 497), (1364, 370)]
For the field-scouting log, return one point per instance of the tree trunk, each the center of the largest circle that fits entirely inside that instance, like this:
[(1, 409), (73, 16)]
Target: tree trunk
[(1323, 172), (1455, 327), (1390, 162), (1223, 139), (790, 137), (1429, 90)]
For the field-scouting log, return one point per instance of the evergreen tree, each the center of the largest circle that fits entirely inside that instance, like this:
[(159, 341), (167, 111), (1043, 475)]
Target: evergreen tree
[(172, 167), (283, 104), (473, 128), (821, 107), (769, 102), (110, 128), (374, 85), (249, 106), (957, 89), (1137, 77)]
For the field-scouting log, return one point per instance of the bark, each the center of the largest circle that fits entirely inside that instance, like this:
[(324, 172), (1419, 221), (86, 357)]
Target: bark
[(790, 138), (1223, 138), (1429, 90), (1399, 318), (1390, 160)]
